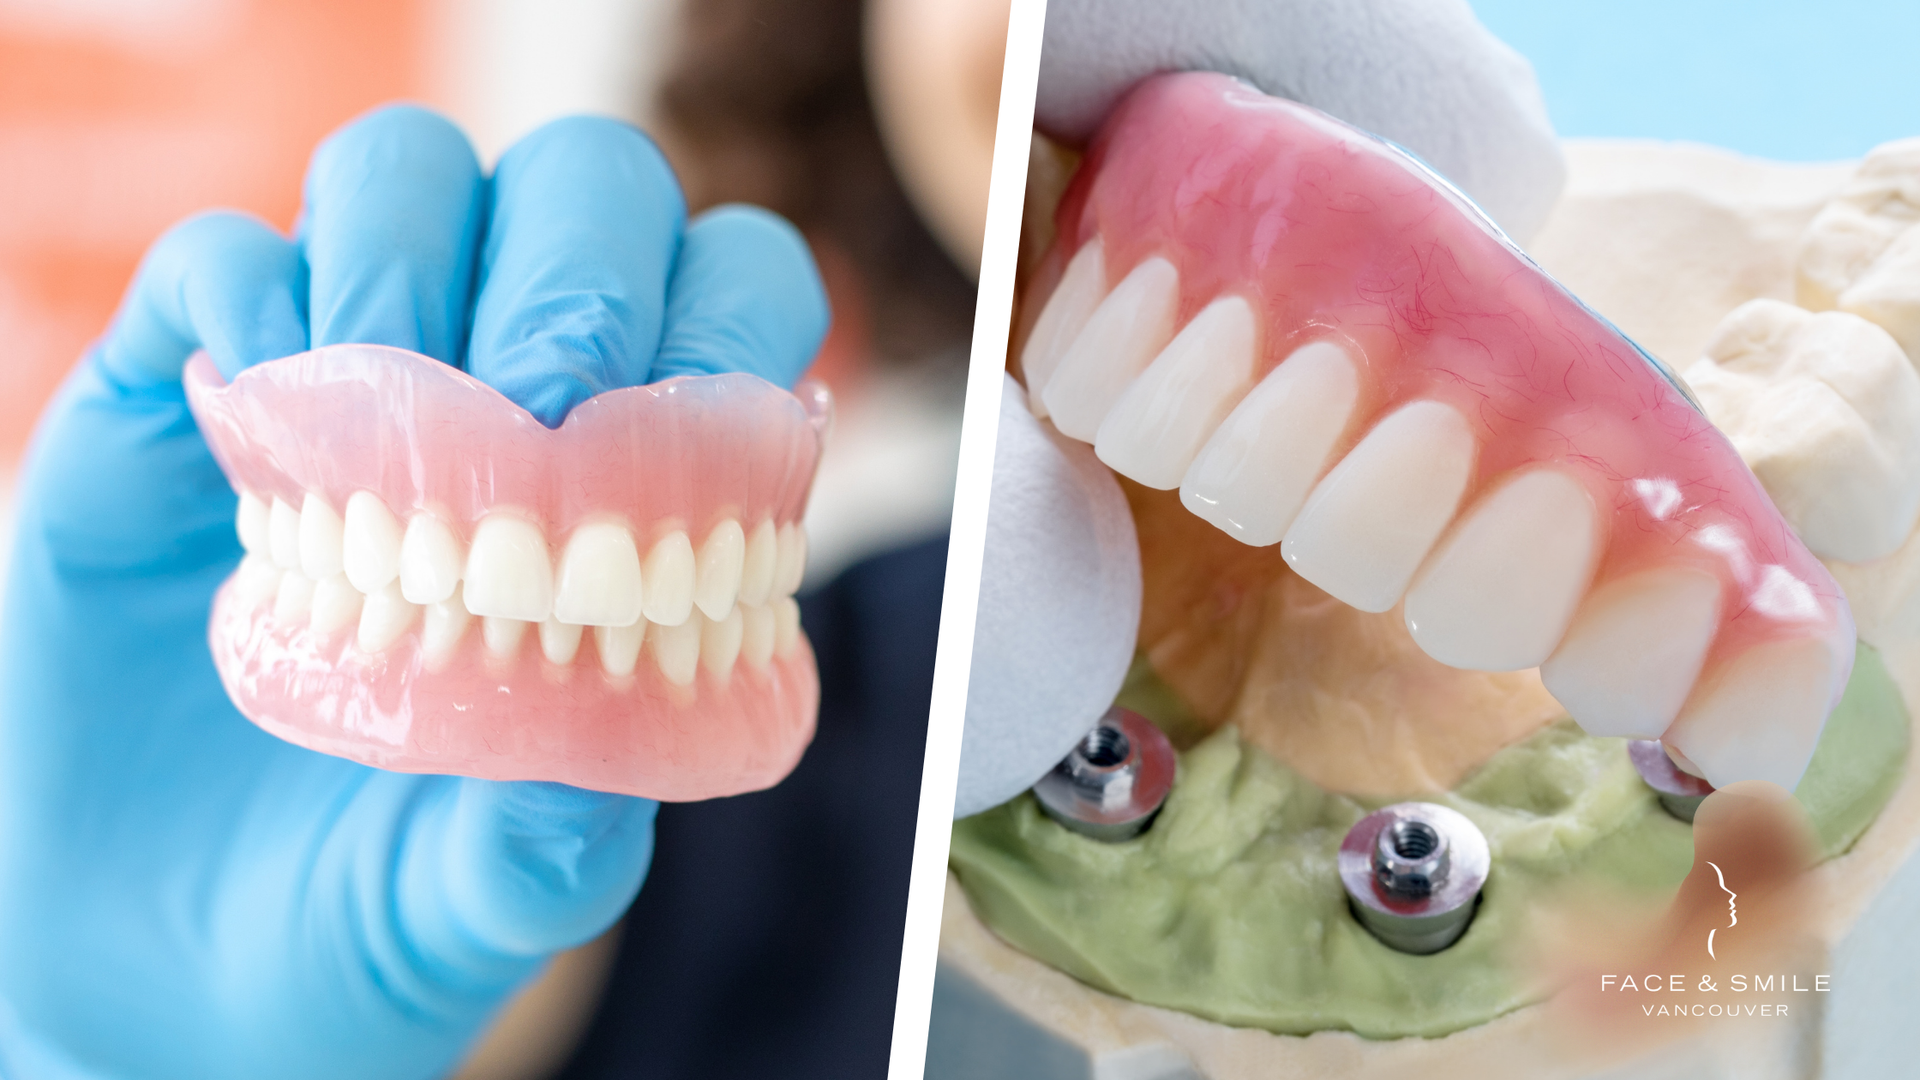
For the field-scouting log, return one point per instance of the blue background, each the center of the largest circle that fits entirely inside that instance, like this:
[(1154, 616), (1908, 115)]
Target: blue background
[(1794, 81)]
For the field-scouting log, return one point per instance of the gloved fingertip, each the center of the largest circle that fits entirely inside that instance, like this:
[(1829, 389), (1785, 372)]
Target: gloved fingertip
[(745, 296), (418, 139)]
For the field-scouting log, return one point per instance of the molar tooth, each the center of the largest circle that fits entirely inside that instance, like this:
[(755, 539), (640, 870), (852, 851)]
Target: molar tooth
[(720, 643), (669, 574), (619, 647), (283, 534), (320, 538), (257, 581), (786, 625), (756, 635), (559, 641), (445, 624), (1251, 478), (1499, 593), (294, 599), (677, 650), (600, 578), (1081, 288), (1758, 716), (509, 574), (1633, 652), (502, 635), (369, 543), (385, 616), (1127, 330), (335, 603), (762, 558), (790, 559), (250, 521), (1159, 424), (721, 560), (430, 559), (1369, 524)]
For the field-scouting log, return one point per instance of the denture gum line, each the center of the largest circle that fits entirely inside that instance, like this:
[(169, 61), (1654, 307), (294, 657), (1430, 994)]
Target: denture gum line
[(1322, 347)]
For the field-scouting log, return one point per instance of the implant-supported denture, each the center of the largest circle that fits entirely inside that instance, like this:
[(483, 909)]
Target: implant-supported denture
[(1323, 346), (435, 582)]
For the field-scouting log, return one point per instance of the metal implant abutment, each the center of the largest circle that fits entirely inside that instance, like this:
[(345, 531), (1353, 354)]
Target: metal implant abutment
[(1113, 782), (1680, 792), (1413, 873)]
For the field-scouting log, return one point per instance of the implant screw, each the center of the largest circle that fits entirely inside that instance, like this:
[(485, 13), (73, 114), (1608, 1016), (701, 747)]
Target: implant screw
[(1680, 792), (1413, 873), (1410, 858), (1113, 782)]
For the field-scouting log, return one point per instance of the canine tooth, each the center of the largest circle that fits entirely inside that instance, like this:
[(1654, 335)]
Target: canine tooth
[(619, 647), (502, 635), (384, 617), (370, 543), (509, 574), (1759, 715), (1251, 478), (786, 625), (600, 579), (430, 560), (790, 559), (559, 641), (1633, 651), (1081, 288), (1499, 593), (763, 556), (669, 573), (335, 603), (1369, 524), (257, 580), (320, 538), (720, 643), (294, 599), (250, 521), (444, 625), (1160, 423), (676, 649), (1127, 330), (283, 534), (756, 635), (718, 567)]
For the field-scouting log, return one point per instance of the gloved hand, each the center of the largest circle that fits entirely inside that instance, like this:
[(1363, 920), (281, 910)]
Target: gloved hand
[(182, 895)]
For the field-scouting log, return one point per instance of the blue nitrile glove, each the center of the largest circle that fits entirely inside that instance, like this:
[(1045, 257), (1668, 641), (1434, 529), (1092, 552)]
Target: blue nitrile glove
[(181, 894)]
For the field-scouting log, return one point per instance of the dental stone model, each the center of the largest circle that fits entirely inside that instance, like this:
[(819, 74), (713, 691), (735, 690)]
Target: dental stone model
[(435, 582)]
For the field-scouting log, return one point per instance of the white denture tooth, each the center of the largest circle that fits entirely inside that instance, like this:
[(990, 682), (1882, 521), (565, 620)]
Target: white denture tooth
[(720, 643), (669, 572), (718, 567), (370, 543), (1628, 661), (1500, 591), (1082, 286), (250, 521), (790, 559), (559, 641), (444, 624), (619, 647), (502, 635), (509, 573), (256, 581), (1370, 523), (384, 617), (320, 538), (762, 560), (676, 649), (431, 559), (1125, 332), (786, 625), (283, 534), (757, 635), (294, 598), (1758, 716), (600, 578), (1163, 419), (1251, 478), (336, 603)]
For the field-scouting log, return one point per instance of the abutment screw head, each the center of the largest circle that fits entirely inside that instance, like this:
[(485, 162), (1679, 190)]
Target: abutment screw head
[(1113, 781)]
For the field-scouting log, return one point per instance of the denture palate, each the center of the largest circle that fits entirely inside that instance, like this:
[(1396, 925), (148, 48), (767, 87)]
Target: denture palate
[(1322, 346), (710, 605)]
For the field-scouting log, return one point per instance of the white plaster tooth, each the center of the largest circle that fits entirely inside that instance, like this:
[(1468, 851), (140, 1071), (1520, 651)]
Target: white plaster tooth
[(786, 625), (1861, 252), (1125, 332), (1254, 474), (762, 559), (384, 617), (559, 641), (1628, 661), (1082, 286), (600, 578), (720, 643), (790, 559), (257, 581), (502, 635), (1758, 715), (619, 647), (669, 572), (1500, 591), (294, 598), (722, 558), (445, 623), (1370, 523), (431, 558), (676, 649), (1160, 423), (757, 634), (320, 538), (250, 521), (509, 573), (283, 534), (336, 603), (370, 543)]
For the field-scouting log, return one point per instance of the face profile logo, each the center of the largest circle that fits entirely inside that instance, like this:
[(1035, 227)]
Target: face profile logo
[(1733, 913)]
